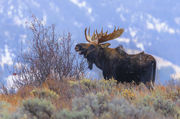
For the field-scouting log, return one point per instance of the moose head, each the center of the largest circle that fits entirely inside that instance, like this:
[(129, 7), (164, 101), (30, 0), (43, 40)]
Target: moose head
[(93, 50)]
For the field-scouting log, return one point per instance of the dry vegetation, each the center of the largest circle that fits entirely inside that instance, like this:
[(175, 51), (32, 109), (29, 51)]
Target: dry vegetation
[(51, 85), (91, 99), (48, 54)]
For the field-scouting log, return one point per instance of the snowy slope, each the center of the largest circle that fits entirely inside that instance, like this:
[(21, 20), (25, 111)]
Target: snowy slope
[(153, 26)]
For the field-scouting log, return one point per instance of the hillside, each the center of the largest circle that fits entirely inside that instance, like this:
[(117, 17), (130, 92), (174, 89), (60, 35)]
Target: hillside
[(91, 99)]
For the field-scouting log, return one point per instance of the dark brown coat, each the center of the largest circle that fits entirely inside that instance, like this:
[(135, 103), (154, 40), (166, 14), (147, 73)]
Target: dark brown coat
[(116, 63)]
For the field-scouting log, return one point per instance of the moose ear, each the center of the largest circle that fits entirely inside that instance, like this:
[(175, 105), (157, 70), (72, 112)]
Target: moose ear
[(105, 45), (121, 47)]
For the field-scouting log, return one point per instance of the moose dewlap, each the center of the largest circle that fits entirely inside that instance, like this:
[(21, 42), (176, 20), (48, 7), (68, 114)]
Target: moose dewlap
[(115, 62)]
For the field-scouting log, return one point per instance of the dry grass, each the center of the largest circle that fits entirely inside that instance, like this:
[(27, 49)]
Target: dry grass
[(62, 93)]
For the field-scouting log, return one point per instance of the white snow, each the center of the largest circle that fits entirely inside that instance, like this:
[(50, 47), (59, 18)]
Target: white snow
[(6, 57), (153, 23)]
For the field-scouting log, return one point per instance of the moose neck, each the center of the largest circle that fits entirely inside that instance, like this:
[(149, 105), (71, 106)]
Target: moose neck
[(104, 56), (101, 60)]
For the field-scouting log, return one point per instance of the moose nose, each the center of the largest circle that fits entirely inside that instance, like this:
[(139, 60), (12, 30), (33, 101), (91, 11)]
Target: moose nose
[(78, 47)]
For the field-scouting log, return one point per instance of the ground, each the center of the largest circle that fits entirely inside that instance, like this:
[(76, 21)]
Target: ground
[(91, 99)]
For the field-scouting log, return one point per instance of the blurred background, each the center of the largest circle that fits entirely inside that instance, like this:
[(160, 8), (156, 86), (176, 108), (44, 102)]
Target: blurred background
[(151, 26)]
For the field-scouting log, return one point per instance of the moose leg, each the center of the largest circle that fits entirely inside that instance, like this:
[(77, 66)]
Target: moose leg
[(147, 79), (106, 75), (151, 75), (149, 85)]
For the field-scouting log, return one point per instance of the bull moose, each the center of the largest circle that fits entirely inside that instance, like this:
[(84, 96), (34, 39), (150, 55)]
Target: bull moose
[(116, 62)]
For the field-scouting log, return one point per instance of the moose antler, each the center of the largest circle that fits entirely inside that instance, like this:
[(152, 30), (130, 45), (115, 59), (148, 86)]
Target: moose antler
[(102, 37)]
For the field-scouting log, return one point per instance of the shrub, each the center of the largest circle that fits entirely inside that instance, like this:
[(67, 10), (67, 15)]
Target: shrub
[(38, 108), (108, 85), (178, 107), (166, 107), (13, 99), (96, 103), (120, 108), (49, 55), (160, 105), (128, 94), (146, 101), (25, 91), (87, 83), (63, 89), (65, 114), (4, 105), (4, 112), (172, 93), (85, 86), (44, 93)]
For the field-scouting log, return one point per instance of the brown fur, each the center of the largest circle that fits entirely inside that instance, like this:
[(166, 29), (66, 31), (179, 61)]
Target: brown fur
[(116, 63)]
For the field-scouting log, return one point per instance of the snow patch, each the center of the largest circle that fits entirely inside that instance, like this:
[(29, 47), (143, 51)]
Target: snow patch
[(122, 17), (122, 9), (78, 3), (44, 21), (6, 33), (149, 25), (176, 76), (1, 9), (155, 24), (133, 32), (164, 63), (6, 57), (20, 21), (54, 7), (9, 81), (140, 45), (82, 4), (78, 24), (177, 20), (35, 3), (110, 26), (23, 38), (125, 40)]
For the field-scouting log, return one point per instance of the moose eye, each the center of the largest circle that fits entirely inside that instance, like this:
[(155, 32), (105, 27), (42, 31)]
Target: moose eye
[(91, 46)]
